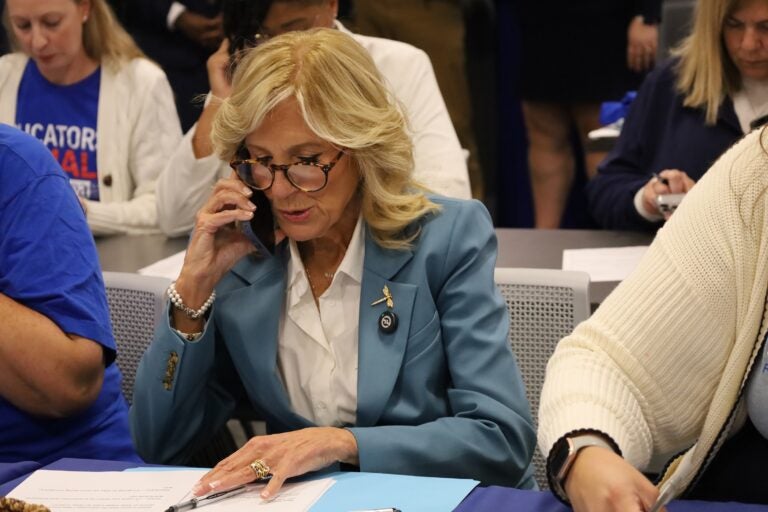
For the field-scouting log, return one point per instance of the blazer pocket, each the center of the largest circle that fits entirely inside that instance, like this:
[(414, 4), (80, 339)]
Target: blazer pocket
[(420, 342)]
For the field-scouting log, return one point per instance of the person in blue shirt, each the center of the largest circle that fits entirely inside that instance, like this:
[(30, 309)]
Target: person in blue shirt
[(687, 113), (59, 387)]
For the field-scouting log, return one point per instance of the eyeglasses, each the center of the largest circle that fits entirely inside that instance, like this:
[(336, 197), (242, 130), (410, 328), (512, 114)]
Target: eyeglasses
[(307, 175)]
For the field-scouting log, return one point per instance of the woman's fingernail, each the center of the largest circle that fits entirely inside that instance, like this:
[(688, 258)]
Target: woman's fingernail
[(247, 191), (197, 488), (213, 485), (265, 495), (250, 214), (251, 206)]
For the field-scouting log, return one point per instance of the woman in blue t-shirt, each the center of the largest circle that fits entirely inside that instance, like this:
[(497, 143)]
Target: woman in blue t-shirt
[(82, 86)]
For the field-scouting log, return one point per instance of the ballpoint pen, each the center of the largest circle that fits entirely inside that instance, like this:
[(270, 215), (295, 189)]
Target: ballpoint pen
[(388, 509), (206, 500), (662, 180)]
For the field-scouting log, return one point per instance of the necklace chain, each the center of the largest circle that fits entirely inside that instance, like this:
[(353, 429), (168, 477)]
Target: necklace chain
[(327, 275)]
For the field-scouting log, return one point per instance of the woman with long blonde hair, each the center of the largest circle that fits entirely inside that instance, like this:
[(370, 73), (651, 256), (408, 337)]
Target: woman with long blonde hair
[(80, 84), (688, 111)]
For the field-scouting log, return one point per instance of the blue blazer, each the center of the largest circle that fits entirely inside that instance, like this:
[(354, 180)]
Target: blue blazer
[(440, 396)]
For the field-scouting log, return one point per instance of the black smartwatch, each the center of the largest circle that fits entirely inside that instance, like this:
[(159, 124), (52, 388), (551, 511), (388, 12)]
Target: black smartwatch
[(563, 454)]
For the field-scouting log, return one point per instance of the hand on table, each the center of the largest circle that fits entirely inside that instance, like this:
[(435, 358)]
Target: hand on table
[(285, 455), (601, 481)]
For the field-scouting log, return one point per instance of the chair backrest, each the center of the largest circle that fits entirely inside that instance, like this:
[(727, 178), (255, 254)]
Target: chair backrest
[(676, 23), (136, 304), (544, 306)]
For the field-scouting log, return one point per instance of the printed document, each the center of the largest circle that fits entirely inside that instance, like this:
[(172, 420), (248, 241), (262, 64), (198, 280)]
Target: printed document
[(151, 491), (169, 267), (604, 264)]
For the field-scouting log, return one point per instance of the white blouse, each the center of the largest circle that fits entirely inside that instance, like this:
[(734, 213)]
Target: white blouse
[(318, 344)]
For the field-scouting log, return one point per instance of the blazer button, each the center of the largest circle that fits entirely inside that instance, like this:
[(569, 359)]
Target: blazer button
[(107, 180), (170, 370)]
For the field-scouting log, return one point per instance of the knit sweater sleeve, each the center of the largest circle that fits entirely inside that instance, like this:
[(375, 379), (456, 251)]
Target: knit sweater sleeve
[(646, 366)]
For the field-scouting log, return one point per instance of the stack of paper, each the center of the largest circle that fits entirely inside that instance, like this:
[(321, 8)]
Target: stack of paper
[(604, 264), (151, 491)]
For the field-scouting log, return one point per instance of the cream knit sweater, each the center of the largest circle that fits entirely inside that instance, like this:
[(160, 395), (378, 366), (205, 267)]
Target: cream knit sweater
[(661, 364)]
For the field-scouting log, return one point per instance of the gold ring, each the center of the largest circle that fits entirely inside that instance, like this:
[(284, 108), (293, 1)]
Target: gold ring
[(260, 469)]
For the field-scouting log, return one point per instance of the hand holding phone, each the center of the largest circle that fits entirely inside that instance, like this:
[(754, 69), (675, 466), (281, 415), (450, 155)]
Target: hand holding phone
[(668, 203), (260, 230)]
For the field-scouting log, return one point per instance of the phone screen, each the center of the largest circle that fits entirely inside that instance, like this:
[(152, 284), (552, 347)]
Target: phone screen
[(260, 230)]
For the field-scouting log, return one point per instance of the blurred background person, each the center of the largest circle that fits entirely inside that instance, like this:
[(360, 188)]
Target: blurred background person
[(80, 84), (575, 55), (687, 113), (437, 27), (375, 335), (4, 46), (60, 392), (180, 36), (440, 161)]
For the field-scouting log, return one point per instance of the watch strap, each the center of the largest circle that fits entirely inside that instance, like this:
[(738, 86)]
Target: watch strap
[(575, 440)]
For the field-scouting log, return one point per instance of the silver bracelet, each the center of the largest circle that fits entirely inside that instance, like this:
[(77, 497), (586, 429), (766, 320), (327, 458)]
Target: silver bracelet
[(175, 299)]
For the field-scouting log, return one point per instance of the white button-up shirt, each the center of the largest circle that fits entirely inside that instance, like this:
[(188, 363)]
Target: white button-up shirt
[(318, 343)]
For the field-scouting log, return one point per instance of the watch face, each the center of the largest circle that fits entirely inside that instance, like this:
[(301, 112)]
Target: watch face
[(559, 455)]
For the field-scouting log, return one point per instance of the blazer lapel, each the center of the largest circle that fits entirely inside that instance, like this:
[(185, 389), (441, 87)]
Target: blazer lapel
[(256, 319), (380, 354)]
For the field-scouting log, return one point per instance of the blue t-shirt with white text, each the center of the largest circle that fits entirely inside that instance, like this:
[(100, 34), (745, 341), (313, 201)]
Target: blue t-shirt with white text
[(63, 117), (48, 263)]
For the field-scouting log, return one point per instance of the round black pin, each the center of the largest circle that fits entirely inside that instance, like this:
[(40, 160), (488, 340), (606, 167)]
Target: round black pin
[(388, 322)]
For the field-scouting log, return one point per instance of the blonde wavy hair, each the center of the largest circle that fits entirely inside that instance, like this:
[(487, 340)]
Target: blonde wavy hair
[(705, 72), (104, 39), (343, 100)]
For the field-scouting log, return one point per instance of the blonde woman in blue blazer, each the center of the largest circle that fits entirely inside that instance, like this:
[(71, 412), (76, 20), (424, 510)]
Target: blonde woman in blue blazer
[(374, 336)]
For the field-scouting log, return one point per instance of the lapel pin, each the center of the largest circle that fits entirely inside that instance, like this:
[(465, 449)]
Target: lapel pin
[(388, 319), (387, 297), (388, 322)]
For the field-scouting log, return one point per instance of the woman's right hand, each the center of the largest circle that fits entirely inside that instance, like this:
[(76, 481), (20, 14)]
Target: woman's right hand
[(216, 245), (601, 481), (677, 182)]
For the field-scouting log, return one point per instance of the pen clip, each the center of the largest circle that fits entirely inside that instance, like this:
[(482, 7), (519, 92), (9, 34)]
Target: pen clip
[(207, 499)]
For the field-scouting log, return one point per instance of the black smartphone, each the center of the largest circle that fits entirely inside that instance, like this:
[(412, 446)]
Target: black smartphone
[(260, 230)]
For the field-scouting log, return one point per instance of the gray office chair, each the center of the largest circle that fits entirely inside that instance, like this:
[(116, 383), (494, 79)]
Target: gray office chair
[(136, 304), (544, 306)]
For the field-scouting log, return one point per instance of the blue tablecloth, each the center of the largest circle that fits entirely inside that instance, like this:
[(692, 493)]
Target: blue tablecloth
[(499, 499), (482, 499), (12, 470)]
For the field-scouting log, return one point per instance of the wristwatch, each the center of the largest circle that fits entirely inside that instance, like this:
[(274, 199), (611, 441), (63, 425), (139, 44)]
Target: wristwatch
[(563, 455)]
